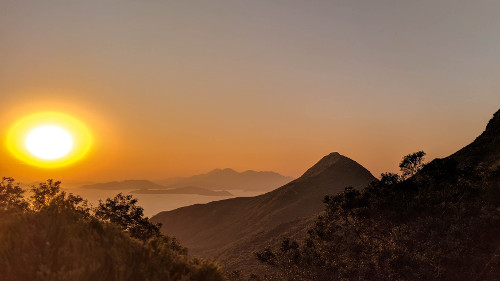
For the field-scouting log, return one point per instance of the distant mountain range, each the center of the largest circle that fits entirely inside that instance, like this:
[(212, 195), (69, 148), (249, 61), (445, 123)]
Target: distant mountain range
[(148, 187), (214, 183), (184, 190), (229, 179), (124, 185), (226, 229)]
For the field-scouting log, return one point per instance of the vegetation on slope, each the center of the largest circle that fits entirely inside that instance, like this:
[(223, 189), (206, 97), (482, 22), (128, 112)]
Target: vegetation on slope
[(437, 222), (442, 224), (56, 236)]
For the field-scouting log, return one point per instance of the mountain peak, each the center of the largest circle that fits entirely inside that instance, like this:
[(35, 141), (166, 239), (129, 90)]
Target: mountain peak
[(484, 151), (223, 171), (493, 126), (326, 163)]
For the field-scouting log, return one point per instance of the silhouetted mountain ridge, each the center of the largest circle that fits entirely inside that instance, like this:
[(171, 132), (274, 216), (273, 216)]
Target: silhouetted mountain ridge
[(481, 156), (484, 150), (324, 164)]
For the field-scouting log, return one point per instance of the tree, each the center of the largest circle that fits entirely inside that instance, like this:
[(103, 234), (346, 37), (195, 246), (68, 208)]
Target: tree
[(44, 193), (11, 195), (411, 164), (123, 211), (48, 196)]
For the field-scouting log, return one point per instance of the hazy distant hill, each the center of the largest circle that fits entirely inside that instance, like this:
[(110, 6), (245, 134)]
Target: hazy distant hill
[(184, 190), (148, 187), (232, 229), (216, 180), (124, 185), (230, 179)]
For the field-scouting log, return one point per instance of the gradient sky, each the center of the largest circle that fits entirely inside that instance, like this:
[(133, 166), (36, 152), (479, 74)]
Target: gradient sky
[(172, 88)]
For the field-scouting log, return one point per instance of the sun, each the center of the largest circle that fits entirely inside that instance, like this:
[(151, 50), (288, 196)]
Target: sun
[(49, 142), (49, 139)]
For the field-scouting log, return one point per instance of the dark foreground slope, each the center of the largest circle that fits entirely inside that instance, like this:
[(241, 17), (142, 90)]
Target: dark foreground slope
[(442, 223), (61, 246), (53, 236), (478, 162), (224, 229)]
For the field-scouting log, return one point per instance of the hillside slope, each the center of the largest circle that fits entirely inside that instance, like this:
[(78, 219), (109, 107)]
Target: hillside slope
[(482, 156), (484, 150), (440, 224), (54, 235), (223, 226)]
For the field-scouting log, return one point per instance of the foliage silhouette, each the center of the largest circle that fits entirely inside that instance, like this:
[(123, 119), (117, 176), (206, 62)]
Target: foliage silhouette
[(411, 164), (11, 195), (59, 237), (440, 224), (123, 211)]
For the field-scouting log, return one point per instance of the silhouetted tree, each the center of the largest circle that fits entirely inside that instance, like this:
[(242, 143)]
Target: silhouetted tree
[(123, 211), (44, 193), (411, 164), (11, 195), (48, 195)]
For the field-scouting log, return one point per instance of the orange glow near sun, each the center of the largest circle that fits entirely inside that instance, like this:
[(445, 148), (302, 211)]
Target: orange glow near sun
[(49, 139)]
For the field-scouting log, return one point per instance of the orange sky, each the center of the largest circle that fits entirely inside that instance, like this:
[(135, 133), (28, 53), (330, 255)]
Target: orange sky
[(178, 88)]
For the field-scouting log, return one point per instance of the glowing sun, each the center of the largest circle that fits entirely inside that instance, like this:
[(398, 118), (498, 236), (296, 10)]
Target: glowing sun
[(49, 139), (49, 142)]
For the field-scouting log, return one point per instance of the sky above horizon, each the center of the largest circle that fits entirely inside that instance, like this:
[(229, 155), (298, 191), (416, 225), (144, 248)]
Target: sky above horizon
[(175, 88)]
